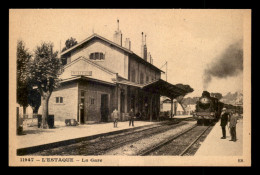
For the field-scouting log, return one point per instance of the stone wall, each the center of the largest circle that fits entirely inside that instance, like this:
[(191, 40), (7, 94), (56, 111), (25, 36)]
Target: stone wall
[(67, 109), (115, 59), (93, 91), (142, 69)]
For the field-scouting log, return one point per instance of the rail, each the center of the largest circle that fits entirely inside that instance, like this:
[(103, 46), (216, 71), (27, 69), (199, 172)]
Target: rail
[(169, 140), (192, 143)]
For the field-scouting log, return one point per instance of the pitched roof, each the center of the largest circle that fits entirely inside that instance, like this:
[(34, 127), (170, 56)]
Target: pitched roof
[(91, 62), (86, 78), (96, 36), (138, 58)]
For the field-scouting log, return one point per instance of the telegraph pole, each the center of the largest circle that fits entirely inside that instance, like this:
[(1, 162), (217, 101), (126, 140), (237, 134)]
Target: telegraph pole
[(165, 64), (166, 71), (60, 49)]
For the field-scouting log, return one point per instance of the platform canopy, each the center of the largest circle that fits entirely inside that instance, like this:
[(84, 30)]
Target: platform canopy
[(164, 88)]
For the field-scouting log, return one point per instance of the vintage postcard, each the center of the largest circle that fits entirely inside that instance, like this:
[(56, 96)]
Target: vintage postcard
[(130, 87)]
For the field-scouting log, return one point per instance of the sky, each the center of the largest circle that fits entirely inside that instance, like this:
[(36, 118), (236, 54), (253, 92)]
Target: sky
[(189, 40)]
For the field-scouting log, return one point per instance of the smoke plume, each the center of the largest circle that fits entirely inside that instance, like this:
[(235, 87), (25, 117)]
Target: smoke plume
[(228, 64)]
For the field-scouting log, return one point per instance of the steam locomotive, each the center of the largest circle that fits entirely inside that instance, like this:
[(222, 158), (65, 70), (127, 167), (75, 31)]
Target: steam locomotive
[(208, 109)]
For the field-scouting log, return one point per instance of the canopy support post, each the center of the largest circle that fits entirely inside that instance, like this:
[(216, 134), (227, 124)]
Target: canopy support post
[(151, 108), (171, 107)]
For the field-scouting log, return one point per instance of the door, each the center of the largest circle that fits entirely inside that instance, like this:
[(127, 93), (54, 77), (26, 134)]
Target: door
[(122, 102), (104, 108), (82, 117), (133, 103)]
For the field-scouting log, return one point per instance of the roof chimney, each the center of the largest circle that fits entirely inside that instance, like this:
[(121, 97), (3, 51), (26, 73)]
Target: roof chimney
[(118, 35), (145, 53), (148, 57), (117, 24), (128, 43), (144, 48)]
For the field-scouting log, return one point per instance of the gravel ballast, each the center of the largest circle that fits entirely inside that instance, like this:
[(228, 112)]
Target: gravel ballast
[(149, 141)]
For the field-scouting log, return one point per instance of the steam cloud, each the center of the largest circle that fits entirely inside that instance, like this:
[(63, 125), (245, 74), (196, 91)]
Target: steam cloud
[(228, 64)]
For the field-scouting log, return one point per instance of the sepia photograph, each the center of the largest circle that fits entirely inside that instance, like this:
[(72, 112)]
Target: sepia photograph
[(130, 87)]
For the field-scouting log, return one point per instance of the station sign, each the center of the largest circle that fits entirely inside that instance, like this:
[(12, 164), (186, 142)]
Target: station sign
[(81, 73)]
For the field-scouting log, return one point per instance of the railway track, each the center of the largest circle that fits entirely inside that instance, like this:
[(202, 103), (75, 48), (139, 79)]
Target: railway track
[(143, 134), (101, 145), (177, 145)]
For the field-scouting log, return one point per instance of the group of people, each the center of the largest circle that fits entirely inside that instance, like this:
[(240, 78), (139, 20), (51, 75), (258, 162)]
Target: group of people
[(115, 117), (230, 119), (227, 118)]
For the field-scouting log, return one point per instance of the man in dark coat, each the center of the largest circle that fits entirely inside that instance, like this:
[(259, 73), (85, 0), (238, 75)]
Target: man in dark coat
[(131, 115), (224, 122)]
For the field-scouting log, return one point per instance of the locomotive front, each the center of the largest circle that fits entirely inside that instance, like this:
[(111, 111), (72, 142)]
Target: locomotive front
[(205, 109)]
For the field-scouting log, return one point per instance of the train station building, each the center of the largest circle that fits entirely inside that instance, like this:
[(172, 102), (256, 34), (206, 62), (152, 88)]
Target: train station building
[(100, 75)]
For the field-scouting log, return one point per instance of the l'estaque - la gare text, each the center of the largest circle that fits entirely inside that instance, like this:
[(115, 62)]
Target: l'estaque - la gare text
[(70, 160)]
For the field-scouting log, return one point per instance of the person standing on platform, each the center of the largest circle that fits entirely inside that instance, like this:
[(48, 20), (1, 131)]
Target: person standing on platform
[(115, 116), (223, 122), (131, 114), (232, 125)]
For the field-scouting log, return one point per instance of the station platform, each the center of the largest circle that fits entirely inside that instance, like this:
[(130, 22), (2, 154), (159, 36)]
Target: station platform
[(214, 146), (34, 136)]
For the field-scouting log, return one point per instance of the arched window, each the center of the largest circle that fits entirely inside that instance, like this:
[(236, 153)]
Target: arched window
[(97, 56)]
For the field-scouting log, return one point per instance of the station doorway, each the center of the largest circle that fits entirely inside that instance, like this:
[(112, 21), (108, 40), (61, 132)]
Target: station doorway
[(104, 108), (133, 103), (82, 114), (122, 102)]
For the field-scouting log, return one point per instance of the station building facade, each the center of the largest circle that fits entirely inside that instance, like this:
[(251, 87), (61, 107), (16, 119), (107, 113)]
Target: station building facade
[(100, 75)]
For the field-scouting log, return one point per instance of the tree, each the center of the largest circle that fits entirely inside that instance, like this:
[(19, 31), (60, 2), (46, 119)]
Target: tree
[(180, 101), (43, 73), (34, 99), (188, 89), (69, 43), (23, 58)]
